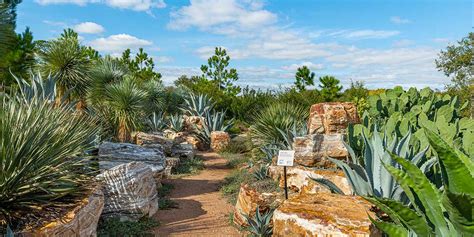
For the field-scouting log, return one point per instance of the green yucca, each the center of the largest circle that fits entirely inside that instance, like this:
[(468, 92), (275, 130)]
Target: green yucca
[(39, 143), (270, 122)]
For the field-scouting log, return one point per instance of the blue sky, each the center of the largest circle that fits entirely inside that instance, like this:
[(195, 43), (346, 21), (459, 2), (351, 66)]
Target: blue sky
[(383, 43)]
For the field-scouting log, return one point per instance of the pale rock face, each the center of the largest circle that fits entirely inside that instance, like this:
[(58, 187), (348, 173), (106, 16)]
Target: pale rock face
[(130, 191), (193, 123), (170, 164), (80, 222), (323, 215), (113, 154), (247, 203), (195, 143), (299, 179), (219, 140), (331, 117), (313, 150)]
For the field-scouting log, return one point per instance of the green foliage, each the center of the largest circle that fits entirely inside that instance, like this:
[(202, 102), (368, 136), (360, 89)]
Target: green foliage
[(330, 88), (114, 227), (197, 105), (260, 224), (442, 212), (164, 202), (213, 121), (357, 94), (142, 67), (368, 176), (269, 123), (234, 160), (156, 122), (304, 77), (176, 122), (304, 98), (243, 107), (38, 157), (216, 70), (105, 71), (261, 173), (66, 59), (125, 102), (231, 185), (190, 166), (329, 185)]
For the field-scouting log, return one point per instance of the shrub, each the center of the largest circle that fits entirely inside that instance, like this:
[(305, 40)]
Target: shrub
[(116, 227), (38, 163), (269, 123)]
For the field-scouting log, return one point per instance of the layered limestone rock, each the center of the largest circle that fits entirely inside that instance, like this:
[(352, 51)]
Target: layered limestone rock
[(331, 117), (80, 222), (171, 163), (193, 123), (171, 143), (247, 202), (299, 179), (219, 140), (130, 191), (313, 150), (113, 154), (323, 214)]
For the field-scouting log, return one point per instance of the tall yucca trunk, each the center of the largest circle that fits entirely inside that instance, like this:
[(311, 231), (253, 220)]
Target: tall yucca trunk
[(123, 132)]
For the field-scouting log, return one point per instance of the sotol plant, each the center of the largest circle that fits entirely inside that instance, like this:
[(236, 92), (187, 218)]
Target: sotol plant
[(447, 211)]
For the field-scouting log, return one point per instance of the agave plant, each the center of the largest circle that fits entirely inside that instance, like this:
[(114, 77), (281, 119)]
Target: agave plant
[(269, 151), (261, 173), (269, 123), (176, 122), (39, 88), (368, 177), (260, 224), (433, 212), (213, 122), (38, 162), (290, 134), (156, 122), (125, 101), (197, 105)]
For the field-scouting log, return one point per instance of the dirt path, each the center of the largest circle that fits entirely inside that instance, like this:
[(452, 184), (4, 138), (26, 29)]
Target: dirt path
[(202, 210)]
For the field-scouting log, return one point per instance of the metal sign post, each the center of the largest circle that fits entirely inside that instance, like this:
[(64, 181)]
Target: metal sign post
[(285, 158)]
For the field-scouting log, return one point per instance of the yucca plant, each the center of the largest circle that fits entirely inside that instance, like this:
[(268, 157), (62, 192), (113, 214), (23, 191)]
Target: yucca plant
[(261, 173), (446, 211), (157, 122), (260, 224), (39, 144), (106, 71), (176, 122), (155, 95), (214, 121), (269, 123), (125, 101), (197, 105), (368, 176)]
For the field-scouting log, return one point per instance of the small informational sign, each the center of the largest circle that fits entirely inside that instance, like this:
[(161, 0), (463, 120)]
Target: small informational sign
[(286, 157)]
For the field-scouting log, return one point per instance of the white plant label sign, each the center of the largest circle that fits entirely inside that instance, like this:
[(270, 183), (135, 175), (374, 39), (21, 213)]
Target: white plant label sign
[(286, 157)]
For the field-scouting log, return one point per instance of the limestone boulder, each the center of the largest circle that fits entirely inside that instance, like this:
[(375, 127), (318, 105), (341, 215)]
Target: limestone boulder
[(113, 154), (171, 163), (331, 117), (313, 150), (183, 150), (323, 215), (219, 140), (196, 143), (193, 123), (130, 191), (80, 222), (247, 202), (152, 139)]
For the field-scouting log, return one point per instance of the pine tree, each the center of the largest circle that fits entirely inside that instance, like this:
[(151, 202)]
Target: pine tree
[(217, 71), (304, 77), (330, 88)]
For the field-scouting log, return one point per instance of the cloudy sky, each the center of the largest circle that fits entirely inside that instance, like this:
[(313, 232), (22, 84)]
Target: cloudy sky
[(383, 43)]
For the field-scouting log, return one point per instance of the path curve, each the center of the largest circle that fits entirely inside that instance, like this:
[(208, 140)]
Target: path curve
[(202, 211)]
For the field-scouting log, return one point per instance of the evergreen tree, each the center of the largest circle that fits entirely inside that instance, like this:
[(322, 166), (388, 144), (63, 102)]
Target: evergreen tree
[(141, 66), (330, 88), (304, 77), (216, 70)]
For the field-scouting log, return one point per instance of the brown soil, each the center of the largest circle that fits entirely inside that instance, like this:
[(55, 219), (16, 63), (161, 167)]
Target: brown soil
[(202, 211)]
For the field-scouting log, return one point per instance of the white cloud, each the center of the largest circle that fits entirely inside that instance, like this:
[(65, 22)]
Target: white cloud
[(442, 40), (162, 59), (399, 20), (136, 5), (365, 34), (221, 16), (89, 28), (402, 43), (118, 43), (310, 65)]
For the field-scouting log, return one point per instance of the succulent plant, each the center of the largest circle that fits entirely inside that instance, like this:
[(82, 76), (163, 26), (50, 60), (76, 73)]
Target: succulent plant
[(176, 122), (213, 121), (368, 177), (156, 121), (260, 225), (445, 211), (261, 173), (197, 105)]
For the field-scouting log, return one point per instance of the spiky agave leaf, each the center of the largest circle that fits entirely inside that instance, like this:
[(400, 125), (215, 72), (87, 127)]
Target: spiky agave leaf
[(197, 105), (176, 122), (261, 173), (156, 121), (328, 184), (260, 224)]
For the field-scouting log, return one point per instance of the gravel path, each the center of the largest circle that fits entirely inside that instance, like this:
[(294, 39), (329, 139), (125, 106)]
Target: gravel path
[(202, 210)]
